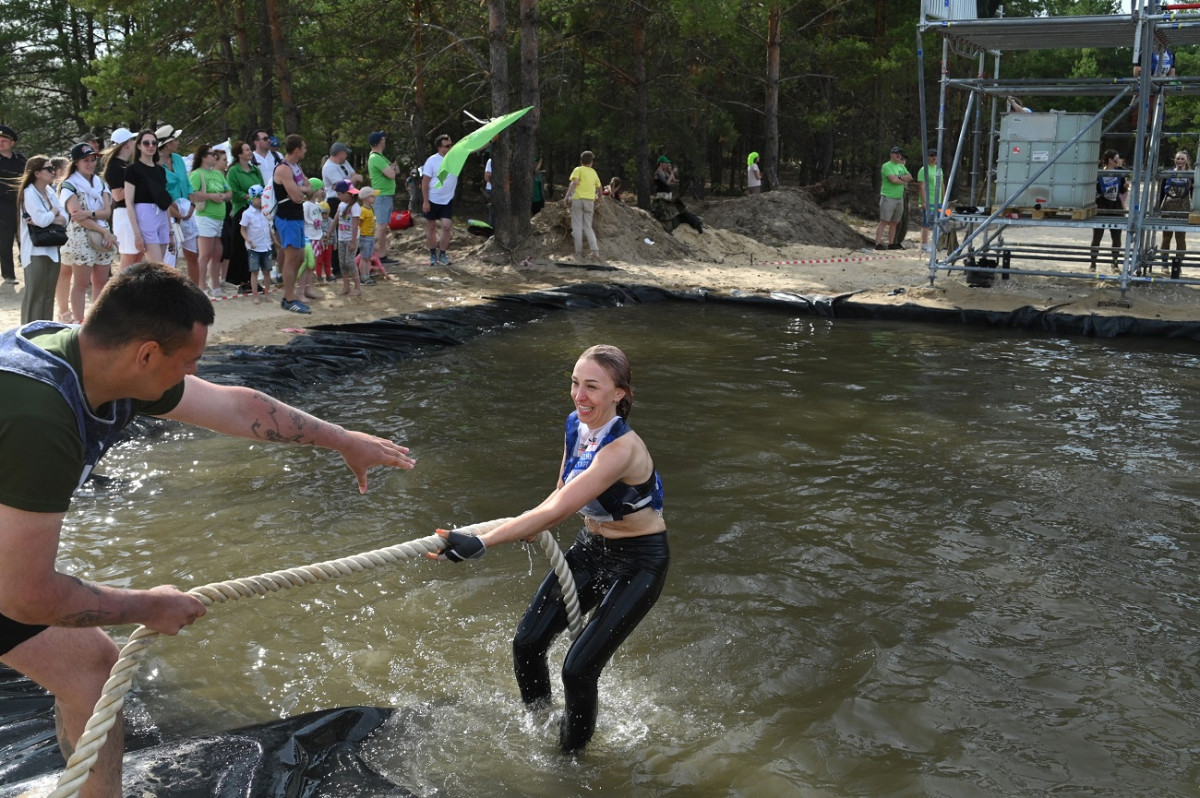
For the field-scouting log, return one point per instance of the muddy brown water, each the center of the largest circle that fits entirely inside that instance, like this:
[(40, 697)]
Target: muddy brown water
[(908, 561)]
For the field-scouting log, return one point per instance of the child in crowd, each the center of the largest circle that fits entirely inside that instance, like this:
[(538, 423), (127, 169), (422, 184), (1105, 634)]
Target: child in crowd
[(257, 233), (322, 249), (313, 232), (367, 262), (347, 224)]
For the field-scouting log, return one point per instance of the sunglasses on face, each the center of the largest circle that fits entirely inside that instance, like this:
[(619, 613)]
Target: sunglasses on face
[(47, 168), (149, 143)]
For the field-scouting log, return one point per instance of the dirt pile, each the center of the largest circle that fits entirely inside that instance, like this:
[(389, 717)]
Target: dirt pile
[(740, 227), (782, 217)]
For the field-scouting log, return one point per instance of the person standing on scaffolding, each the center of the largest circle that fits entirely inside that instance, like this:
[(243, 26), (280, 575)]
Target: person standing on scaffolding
[(1109, 188), (1176, 196)]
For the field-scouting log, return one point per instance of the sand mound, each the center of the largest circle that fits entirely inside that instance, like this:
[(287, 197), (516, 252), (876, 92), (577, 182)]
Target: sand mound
[(781, 217), (740, 227)]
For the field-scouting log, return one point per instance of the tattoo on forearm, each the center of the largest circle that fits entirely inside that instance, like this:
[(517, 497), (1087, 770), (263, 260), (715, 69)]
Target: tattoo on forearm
[(278, 423), (94, 617)]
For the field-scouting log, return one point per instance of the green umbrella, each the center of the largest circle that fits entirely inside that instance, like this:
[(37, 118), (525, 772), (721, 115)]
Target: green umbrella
[(452, 164)]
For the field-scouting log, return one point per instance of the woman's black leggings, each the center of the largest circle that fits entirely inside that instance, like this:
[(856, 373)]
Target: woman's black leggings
[(622, 579)]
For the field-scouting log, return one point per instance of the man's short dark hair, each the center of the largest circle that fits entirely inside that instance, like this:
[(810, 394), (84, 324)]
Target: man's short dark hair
[(148, 302), (293, 142)]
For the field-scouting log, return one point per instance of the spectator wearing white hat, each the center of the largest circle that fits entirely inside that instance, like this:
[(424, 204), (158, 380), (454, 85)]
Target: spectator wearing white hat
[(12, 166), (113, 162), (180, 189)]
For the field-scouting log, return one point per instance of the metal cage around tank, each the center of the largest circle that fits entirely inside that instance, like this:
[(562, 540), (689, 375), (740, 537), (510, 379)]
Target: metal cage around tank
[(1004, 195)]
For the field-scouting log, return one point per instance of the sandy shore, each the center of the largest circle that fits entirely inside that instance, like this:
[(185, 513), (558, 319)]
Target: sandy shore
[(717, 260)]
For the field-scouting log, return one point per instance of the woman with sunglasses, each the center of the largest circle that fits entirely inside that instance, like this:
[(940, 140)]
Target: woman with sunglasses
[(148, 199), (210, 188), (38, 205), (88, 202)]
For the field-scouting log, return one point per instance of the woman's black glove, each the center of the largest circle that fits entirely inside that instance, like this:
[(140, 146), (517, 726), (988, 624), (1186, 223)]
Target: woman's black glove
[(462, 547)]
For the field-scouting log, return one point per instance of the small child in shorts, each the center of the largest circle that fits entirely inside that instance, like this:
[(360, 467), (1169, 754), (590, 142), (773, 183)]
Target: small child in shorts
[(367, 262), (346, 225), (257, 233)]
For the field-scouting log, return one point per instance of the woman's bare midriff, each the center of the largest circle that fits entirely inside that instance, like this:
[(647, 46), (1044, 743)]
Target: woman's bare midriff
[(643, 522)]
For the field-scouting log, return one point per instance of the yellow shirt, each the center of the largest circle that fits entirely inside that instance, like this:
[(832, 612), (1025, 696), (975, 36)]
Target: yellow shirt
[(366, 221), (589, 183)]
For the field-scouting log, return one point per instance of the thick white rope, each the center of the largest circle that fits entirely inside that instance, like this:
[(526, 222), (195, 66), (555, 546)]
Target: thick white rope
[(120, 679)]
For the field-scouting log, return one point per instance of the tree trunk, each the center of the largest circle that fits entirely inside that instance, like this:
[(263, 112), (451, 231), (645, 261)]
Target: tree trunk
[(641, 145), (419, 132), (266, 98), (245, 66), (283, 74), (524, 151), (771, 146), (227, 68), (501, 199)]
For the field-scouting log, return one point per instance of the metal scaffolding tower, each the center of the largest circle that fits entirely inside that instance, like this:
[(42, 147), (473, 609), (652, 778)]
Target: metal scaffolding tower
[(987, 215)]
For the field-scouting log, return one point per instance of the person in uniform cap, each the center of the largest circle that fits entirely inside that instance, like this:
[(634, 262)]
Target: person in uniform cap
[(12, 166)]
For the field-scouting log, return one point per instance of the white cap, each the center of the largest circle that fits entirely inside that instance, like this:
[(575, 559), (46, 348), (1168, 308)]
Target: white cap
[(121, 135)]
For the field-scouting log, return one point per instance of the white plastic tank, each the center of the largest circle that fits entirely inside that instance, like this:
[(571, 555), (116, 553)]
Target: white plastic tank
[(950, 9), (1029, 141)]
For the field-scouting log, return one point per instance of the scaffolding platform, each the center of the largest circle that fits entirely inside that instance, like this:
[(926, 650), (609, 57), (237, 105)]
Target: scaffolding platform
[(1076, 214), (971, 142)]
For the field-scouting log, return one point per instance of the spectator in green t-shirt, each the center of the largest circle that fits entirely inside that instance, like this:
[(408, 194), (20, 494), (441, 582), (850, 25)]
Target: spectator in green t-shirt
[(931, 184), (891, 199), (383, 179)]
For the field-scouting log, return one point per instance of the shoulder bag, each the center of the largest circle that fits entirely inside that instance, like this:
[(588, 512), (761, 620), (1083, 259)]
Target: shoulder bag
[(52, 235)]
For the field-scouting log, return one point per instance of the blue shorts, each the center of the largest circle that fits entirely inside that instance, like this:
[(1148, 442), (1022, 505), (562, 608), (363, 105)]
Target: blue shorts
[(366, 246), (438, 211), (259, 261), (383, 208), (291, 233)]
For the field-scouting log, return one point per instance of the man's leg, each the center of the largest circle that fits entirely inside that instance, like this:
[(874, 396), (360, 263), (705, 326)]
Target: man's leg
[(290, 268), (74, 664), (444, 241), (880, 232), (8, 236)]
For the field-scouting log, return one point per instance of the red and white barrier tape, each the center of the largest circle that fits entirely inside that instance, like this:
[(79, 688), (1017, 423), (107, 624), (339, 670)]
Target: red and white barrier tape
[(862, 259)]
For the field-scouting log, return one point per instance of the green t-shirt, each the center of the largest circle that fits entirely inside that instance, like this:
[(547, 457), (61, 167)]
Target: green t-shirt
[(240, 181), (213, 182), (935, 190), (887, 188), (41, 453), (376, 163)]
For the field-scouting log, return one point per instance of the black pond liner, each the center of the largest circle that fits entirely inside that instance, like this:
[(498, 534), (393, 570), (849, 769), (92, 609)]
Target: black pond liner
[(317, 754)]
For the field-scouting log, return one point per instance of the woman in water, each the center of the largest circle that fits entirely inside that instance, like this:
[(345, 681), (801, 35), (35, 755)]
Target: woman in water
[(619, 561)]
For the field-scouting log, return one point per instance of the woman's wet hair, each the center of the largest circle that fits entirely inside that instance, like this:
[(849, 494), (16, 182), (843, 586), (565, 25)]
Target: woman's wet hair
[(616, 365), (148, 302)]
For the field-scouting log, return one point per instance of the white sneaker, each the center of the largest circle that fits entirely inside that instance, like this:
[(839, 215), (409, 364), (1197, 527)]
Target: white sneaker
[(927, 249)]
